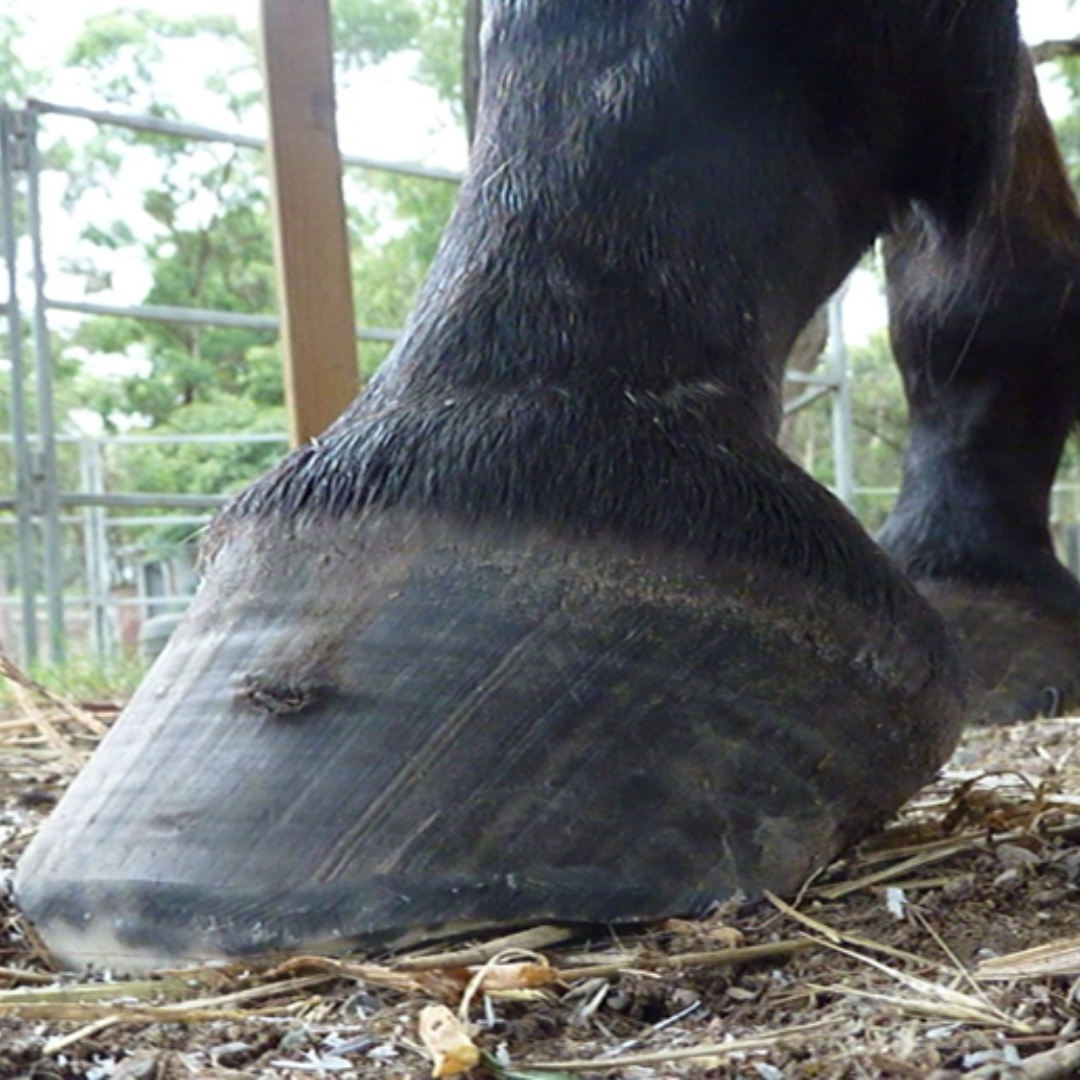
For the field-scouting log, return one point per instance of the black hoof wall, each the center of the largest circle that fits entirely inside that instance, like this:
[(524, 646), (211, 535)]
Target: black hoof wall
[(1024, 657), (373, 732)]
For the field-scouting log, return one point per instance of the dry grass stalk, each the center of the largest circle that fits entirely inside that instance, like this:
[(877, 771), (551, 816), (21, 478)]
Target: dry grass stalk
[(927, 857), (538, 937), (927, 1008), (256, 993), (375, 975), (936, 1001), (838, 937), (64, 1042), (97, 1015), (179, 1013), (70, 759), (21, 724), (1061, 1063), (682, 1053), (454, 984), (24, 975), (24, 686), (1053, 959), (656, 964), (130, 998), (498, 974), (947, 846), (79, 993)]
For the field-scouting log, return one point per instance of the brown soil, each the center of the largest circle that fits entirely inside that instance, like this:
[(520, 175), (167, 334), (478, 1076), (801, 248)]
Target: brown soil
[(893, 963)]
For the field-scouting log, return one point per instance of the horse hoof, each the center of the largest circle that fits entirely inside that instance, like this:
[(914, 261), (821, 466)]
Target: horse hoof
[(391, 728), (1023, 656)]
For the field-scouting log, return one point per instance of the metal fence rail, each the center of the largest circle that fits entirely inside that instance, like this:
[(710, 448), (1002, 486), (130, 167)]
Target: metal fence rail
[(109, 538)]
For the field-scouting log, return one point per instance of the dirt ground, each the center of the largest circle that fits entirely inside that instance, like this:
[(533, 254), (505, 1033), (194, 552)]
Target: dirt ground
[(899, 961)]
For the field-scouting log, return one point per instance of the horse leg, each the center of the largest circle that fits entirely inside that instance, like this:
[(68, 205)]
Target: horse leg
[(987, 335), (546, 628)]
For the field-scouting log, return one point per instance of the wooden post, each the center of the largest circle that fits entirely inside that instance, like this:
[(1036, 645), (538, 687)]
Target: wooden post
[(318, 324)]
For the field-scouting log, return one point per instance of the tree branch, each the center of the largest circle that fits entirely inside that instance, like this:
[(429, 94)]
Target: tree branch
[(1054, 50)]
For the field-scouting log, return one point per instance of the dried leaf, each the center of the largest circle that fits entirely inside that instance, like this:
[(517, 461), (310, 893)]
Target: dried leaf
[(451, 984), (524, 976), (726, 937), (451, 1048)]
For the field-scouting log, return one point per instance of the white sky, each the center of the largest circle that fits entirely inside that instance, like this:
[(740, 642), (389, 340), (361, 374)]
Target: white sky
[(1041, 20), (405, 131)]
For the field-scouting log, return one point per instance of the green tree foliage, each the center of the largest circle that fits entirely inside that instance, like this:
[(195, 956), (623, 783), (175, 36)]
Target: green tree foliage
[(195, 467), (879, 422), (1067, 127), (18, 76), (440, 47), (879, 430), (202, 226), (387, 274), (123, 53), (221, 261), (367, 32), (192, 219)]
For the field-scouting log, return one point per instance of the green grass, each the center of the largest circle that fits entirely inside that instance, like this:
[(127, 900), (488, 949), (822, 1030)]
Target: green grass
[(85, 678)]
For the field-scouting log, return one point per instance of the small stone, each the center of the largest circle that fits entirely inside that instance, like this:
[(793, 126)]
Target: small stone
[(295, 1039), (137, 1067), (767, 1072), (35, 797), (1015, 857), (1069, 863), (1049, 897), (230, 1053), (960, 888), (1009, 879)]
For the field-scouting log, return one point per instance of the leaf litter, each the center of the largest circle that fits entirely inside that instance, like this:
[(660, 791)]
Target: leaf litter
[(947, 946)]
